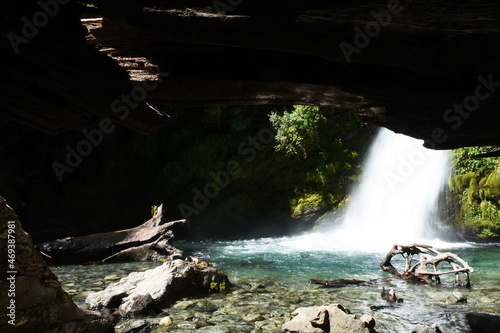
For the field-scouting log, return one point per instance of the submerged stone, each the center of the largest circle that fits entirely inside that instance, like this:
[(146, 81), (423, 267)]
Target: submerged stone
[(183, 305), (454, 297), (251, 317), (426, 329), (213, 329)]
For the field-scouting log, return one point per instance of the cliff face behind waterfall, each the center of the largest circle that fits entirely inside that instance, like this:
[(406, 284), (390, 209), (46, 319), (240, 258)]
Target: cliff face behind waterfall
[(216, 166)]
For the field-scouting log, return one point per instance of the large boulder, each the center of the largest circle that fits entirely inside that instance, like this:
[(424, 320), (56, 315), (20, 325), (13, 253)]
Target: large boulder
[(32, 297), (332, 318), (312, 320), (159, 287), (483, 322)]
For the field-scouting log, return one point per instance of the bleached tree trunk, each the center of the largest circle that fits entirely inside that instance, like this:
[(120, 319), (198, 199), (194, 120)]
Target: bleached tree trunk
[(97, 247)]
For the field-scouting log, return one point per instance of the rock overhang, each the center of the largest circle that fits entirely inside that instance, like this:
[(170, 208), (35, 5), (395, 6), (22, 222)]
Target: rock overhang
[(426, 69)]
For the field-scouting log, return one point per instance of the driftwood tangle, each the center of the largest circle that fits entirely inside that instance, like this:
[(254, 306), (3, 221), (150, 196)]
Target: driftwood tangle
[(418, 271), (156, 234)]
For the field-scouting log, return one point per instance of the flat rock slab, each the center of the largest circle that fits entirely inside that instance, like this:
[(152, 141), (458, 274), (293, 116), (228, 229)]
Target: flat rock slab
[(159, 287), (332, 318)]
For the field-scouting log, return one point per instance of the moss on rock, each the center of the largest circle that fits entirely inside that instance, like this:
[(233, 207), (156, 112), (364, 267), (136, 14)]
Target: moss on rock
[(476, 185)]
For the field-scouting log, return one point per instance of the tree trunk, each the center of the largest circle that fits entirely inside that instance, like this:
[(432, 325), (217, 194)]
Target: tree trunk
[(98, 247), (338, 282)]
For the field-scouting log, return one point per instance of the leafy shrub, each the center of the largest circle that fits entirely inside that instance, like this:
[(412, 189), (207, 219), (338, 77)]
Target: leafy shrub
[(297, 130)]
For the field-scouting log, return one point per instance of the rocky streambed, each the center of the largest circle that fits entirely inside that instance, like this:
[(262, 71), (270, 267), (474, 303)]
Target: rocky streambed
[(256, 307), (268, 286)]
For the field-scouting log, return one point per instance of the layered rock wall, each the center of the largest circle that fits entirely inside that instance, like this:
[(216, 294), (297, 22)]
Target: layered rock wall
[(32, 297)]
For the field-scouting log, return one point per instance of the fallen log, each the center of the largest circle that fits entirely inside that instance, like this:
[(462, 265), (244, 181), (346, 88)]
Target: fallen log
[(419, 270), (151, 237), (336, 283)]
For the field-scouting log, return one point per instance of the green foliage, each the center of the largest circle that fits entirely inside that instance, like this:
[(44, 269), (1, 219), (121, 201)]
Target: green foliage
[(297, 130), (88, 5), (221, 287), (332, 163), (490, 189), (461, 182), (464, 161), (310, 203), (476, 182), (154, 210)]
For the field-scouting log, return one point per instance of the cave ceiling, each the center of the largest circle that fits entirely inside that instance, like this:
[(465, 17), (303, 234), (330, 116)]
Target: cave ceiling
[(428, 69)]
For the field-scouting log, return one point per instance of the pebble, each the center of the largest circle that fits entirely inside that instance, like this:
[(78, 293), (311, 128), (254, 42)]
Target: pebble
[(183, 305), (252, 317), (166, 321), (183, 316), (203, 323), (201, 315), (72, 292), (213, 329)]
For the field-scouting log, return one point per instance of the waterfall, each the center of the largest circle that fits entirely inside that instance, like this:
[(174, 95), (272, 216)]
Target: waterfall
[(395, 202)]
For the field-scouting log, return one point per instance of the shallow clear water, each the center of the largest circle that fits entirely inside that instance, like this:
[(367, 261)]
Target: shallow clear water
[(271, 278)]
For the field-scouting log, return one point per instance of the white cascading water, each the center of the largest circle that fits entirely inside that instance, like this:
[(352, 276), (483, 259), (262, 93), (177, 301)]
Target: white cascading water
[(396, 201), (397, 198)]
